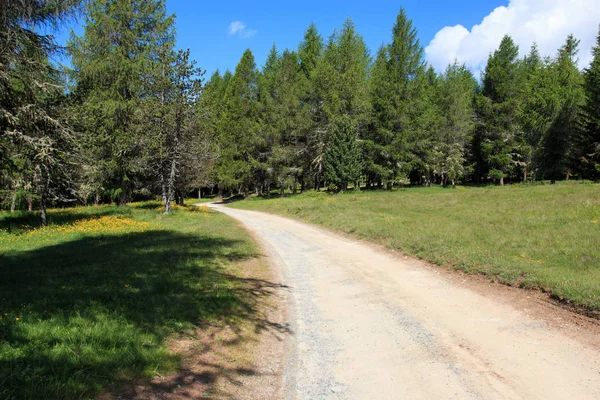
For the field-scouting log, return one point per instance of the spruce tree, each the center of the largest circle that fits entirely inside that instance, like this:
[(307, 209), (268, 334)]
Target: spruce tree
[(341, 84), (556, 144), (457, 87), (397, 80), (239, 128), (342, 162), (586, 151), (313, 128), (120, 44), (35, 139), (498, 111)]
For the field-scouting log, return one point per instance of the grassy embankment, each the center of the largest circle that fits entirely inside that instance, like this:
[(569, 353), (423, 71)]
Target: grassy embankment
[(545, 236), (92, 301)]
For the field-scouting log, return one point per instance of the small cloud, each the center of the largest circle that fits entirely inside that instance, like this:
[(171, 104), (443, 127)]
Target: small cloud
[(248, 33), (241, 30), (235, 27)]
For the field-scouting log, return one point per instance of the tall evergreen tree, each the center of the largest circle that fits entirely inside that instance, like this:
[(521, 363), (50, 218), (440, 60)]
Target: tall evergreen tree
[(341, 79), (239, 128), (393, 88), (586, 150), (310, 53), (111, 60), (498, 111), (342, 161), (457, 88), (34, 139), (556, 144)]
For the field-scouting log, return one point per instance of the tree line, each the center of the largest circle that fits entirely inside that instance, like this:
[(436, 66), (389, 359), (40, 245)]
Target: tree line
[(329, 115), (134, 118)]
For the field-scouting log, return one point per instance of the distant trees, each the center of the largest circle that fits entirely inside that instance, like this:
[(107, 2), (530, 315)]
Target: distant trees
[(312, 111)]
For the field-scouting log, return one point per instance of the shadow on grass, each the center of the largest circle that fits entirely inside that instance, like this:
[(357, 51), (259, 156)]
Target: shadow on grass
[(19, 219), (82, 315)]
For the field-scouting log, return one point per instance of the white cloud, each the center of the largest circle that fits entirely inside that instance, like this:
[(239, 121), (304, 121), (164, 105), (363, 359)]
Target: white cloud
[(547, 22), (240, 29)]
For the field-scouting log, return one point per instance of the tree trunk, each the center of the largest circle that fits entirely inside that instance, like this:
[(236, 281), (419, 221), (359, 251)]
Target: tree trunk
[(453, 184), (29, 204), (295, 184), (13, 201), (96, 198), (502, 181), (281, 191), (43, 209), (199, 193)]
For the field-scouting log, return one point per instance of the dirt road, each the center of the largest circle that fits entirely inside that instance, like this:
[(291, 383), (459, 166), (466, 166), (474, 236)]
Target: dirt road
[(368, 325)]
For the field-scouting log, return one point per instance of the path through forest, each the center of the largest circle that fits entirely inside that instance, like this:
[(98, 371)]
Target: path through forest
[(367, 324)]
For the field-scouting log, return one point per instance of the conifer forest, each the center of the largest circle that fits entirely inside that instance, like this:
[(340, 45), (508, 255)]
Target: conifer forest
[(135, 118)]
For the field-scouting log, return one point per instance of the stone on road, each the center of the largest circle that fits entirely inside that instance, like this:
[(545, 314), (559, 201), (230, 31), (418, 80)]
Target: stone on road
[(367, 325)]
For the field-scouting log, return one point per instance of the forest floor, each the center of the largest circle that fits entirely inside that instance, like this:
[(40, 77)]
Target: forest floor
[(370, 323), (544, 237), (125, 302)]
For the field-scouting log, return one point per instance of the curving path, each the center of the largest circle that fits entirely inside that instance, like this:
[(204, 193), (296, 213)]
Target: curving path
[(368, 325)]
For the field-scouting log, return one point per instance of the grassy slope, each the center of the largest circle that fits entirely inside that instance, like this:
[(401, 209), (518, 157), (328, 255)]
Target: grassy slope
[(544, 237), (91, 301)]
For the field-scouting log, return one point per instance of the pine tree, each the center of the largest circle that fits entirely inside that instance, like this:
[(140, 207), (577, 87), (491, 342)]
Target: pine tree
[(457, 88), (556, 144), (342, 75), (341, 84), (342, 161), (393, 89), (239, 135), (313, 128), (120, 44), (540, 103), (498, 111), (34, 138), (586, 151)]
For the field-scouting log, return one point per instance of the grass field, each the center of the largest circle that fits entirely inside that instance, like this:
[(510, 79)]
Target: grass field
[(90, 302), (545, 236)]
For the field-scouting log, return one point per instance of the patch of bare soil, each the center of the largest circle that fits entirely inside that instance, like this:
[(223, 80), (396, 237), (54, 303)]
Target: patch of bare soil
[(241, 361)]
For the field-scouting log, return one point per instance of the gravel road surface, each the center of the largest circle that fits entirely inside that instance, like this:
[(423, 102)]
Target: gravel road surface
[(368, 325)]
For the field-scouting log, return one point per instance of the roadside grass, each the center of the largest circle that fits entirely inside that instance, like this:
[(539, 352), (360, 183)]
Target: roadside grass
[(545, 236), (91, 301)]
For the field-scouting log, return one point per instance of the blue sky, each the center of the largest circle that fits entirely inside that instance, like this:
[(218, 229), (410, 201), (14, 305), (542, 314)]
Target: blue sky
[(465, 29)]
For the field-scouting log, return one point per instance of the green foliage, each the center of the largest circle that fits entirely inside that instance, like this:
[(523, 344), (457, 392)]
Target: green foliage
[(455, 96), (239, 128), (119, 53), (586, 152), (341, 75), (342, 162), (500, 130), (35, 141)]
